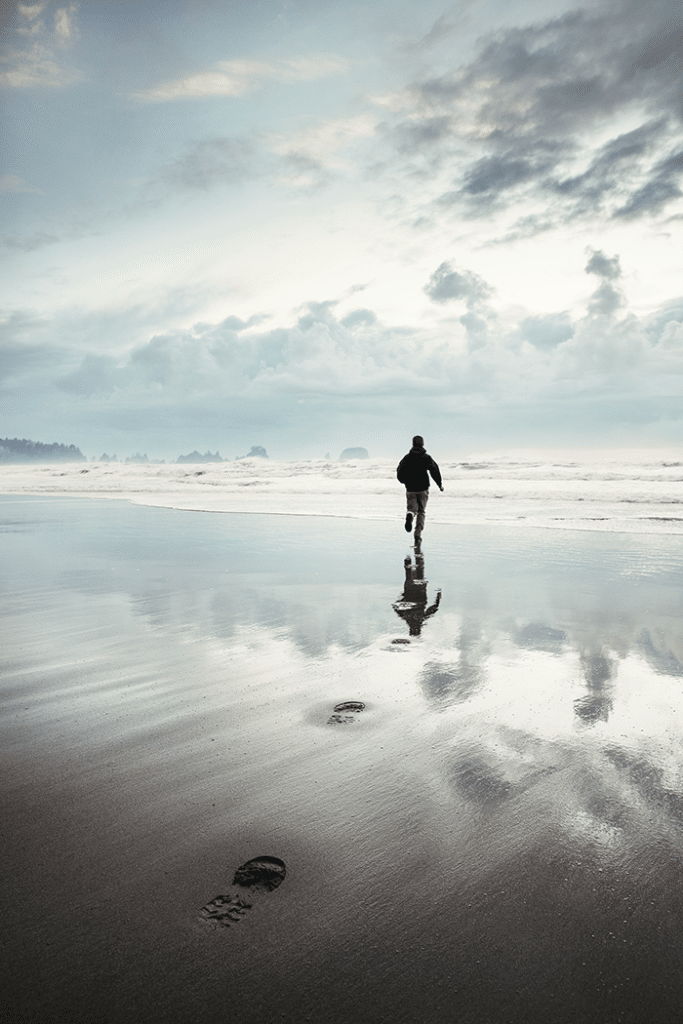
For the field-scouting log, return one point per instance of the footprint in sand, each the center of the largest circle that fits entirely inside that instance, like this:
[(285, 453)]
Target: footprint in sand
[(251, 883), (346, 712)]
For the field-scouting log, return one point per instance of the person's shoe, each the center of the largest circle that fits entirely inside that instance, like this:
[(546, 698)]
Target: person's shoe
[(409, 522)]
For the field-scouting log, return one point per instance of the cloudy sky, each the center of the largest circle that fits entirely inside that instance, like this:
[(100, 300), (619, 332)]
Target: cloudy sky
[(312, 224)]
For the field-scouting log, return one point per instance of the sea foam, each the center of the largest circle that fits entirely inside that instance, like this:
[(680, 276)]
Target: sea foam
[(624, 491)]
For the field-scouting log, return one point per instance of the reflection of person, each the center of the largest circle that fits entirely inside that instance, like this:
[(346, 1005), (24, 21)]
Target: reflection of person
[(414, 471), (599, 670), (412, 605)]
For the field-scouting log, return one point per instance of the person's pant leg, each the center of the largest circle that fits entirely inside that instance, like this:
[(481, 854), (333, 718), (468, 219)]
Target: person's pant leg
[(421, 498), (411, 502)]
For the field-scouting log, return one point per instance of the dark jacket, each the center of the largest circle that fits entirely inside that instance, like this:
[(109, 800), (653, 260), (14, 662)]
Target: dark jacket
[(415, 468)]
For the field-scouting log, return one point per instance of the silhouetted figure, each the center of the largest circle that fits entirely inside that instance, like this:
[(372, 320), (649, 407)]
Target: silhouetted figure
[(414, 471), (412, 605)]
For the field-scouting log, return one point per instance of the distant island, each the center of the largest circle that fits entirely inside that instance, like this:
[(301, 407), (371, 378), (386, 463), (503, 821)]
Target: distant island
[(354, 453), (137, 457), (196, 457), (15, 450), (256, 453)]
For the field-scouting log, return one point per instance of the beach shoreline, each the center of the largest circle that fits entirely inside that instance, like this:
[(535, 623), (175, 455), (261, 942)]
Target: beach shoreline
[(621, 495)]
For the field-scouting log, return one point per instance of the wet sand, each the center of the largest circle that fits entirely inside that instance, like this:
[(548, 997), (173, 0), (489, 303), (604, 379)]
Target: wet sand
[(496, 836)]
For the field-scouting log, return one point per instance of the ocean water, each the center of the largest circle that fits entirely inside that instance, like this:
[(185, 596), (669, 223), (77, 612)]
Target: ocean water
[(631, 491), (498, 832)]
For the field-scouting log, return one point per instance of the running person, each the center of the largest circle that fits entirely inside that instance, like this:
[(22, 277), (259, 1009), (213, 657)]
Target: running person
[(414, 471)]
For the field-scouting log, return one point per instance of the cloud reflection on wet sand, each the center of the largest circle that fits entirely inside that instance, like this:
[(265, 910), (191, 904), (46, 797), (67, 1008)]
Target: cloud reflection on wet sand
[(497, 836)]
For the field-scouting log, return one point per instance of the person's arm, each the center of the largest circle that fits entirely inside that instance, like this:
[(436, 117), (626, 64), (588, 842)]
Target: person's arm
[(435, 474), (433, 608)]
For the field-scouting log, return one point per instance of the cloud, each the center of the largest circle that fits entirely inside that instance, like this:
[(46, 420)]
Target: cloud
[(233, 323), (502, 172), (29, 243), (359, 318), (446, 285), (423, 133), (604, 266), (606, 299), (616, 166), (525, 120), (95, 377), (332, 364), (547, 331), (208, 163), (300, 171), (525, 227), (65, 23), (24, 350), (662, 189), (37, 65), (316, 148), (236, 77), (318, 357), (659, 49), (443, 28), (11, 184)]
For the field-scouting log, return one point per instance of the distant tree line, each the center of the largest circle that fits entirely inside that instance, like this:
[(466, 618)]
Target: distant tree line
[(15, 450)]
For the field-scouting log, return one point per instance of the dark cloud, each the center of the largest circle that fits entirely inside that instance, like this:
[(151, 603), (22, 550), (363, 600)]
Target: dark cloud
[(424, 132), (662, 188), (612, 167), (446, 285), (660, 49), (524, 108), (604, 266), (500, 173)]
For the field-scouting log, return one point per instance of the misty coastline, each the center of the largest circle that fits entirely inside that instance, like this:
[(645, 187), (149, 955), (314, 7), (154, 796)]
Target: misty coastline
[(636, 492)]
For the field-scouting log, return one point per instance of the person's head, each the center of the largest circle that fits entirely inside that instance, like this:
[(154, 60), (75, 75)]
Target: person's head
[(418, 442)]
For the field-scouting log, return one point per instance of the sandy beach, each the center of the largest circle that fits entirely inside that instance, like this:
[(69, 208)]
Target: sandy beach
[(495, 836)]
